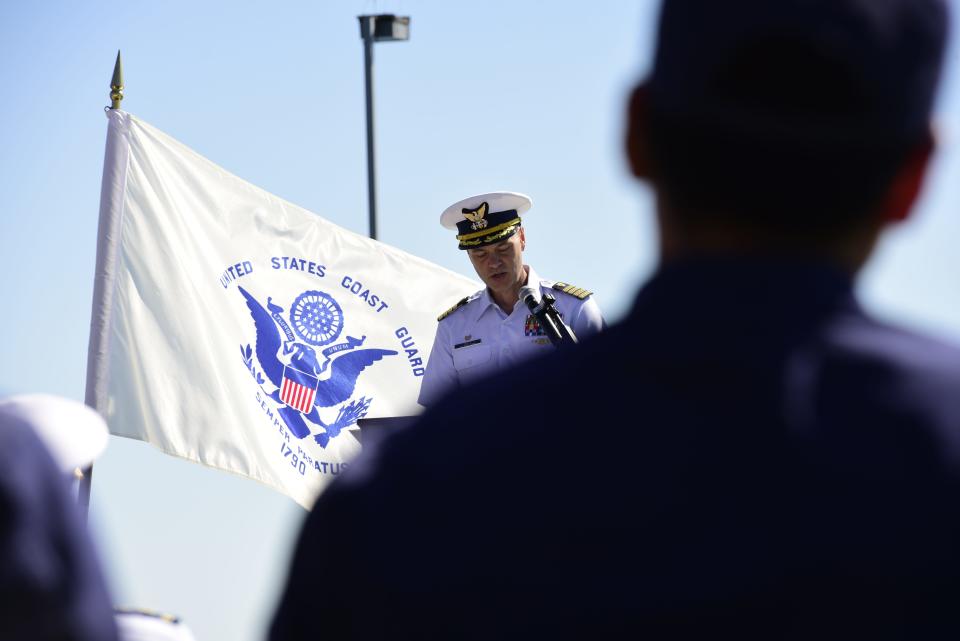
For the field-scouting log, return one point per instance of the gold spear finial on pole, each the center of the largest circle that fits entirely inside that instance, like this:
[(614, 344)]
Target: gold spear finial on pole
[(116, 84)]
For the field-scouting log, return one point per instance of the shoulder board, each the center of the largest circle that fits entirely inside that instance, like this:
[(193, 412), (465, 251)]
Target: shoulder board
[(573, 290), (460, 303)]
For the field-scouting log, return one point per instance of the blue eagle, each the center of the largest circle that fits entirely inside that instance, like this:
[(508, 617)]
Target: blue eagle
[(333, 390)]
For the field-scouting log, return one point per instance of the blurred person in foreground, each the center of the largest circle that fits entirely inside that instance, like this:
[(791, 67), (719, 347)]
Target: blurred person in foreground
[(51, 584), (748, 453)]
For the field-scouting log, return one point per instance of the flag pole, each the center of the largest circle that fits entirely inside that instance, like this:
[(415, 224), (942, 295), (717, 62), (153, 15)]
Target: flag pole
[(116, 83), (97, 338)]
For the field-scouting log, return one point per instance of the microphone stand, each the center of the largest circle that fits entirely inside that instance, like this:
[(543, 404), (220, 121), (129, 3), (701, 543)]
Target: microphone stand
[(549, 318)]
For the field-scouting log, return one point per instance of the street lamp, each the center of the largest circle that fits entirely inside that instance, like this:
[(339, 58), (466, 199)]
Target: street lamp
[(377, 28)]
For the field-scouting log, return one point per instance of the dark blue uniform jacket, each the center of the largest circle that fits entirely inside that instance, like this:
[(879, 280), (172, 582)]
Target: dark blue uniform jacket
[(746, 453)]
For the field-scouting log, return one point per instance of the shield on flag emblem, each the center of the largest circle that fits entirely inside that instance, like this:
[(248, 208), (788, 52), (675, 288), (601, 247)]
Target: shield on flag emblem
[(298, 389)]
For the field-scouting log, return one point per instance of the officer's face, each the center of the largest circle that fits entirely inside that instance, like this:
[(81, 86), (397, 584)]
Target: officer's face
[(500, 266)]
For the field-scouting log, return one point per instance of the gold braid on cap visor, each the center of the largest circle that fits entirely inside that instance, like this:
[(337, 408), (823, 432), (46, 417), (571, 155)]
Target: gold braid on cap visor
[(488, 236)]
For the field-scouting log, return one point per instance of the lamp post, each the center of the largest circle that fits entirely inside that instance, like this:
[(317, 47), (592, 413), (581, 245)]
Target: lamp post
[(376, 28)]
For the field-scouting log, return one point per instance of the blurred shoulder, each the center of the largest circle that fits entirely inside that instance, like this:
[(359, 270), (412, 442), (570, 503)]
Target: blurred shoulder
[(893, 348), (900, 369)]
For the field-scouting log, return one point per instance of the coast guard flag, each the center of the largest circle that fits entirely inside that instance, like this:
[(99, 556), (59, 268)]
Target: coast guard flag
[(238, 330)]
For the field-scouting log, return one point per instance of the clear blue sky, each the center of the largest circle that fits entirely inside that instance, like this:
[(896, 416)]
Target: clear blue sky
[(487, 95)]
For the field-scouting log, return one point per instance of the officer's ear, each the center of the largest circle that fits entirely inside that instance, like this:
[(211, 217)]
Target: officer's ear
[(636, 132), (908, 181)]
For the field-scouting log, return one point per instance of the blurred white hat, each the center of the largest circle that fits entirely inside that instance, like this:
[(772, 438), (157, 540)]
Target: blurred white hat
[(74, 434), (146, 625)]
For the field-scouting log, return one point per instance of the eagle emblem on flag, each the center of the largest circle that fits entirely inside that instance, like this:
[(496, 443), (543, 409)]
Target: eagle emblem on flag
[(292, 373)]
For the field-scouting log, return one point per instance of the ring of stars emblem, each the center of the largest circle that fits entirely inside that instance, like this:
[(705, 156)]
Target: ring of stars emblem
[(316, 318)]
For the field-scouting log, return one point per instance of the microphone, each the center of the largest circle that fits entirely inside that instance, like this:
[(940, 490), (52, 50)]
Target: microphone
[(530, 296), (541, 306)]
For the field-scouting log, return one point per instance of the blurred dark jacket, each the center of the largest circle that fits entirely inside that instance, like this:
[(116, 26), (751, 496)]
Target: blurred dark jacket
[(51, 587), (747, 453)]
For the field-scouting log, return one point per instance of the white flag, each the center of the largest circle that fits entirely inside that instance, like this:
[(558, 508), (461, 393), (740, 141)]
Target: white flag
[(238, 330)]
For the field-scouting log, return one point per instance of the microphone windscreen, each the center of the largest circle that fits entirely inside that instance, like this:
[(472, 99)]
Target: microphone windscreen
[(527, 291)]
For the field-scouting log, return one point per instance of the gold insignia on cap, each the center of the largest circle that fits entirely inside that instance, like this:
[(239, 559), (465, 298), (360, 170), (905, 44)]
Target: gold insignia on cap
[(476, 216), (488, 236)]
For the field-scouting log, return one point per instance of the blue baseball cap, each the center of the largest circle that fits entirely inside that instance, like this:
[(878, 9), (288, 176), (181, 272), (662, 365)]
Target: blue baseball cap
[(854, 69)]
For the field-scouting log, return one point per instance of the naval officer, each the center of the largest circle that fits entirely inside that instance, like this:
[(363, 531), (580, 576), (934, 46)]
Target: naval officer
[(493, 329)]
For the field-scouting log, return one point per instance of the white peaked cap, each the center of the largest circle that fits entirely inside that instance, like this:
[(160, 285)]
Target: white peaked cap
[(496, 201), (74, 434)]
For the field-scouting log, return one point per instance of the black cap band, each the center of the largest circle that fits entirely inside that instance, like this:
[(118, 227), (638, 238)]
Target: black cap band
[(482, 228)]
